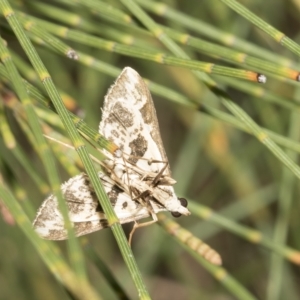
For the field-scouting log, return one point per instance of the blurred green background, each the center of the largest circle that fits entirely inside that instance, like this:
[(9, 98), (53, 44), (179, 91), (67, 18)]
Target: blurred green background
[(215, 161)]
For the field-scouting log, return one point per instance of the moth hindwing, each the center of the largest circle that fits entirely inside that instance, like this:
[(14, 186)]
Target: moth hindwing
[(138, 181), (85, 211)]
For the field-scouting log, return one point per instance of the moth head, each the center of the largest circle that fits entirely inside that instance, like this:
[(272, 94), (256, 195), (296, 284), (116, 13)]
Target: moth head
[(184, 203)]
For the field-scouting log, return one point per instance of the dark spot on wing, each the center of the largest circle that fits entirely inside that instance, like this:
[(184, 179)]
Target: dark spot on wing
[(113, 194), (82, 228), (99, 208), (124, 205), (138, 148), (123, 115), (115, 133), (57, 234), (146, 112)]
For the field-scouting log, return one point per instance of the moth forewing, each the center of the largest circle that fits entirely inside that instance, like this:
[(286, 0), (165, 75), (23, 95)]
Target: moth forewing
[(129, 120)]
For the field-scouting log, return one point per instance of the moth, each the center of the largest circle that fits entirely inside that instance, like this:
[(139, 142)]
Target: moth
[(137, 179)]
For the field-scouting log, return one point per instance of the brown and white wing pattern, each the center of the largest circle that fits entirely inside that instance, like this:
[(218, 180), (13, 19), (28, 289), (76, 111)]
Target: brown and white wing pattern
[(129, 120), (85, 212)]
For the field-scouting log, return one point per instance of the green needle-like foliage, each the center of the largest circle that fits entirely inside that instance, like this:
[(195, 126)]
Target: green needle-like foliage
[(232, 143)]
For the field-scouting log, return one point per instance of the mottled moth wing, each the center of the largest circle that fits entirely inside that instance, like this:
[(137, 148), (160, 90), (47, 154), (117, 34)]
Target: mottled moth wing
[(129, 120), (84, 208)]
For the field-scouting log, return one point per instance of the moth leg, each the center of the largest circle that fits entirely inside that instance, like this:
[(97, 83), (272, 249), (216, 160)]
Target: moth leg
[(153, 161), (144, 199), (138, 225), (159, 175)]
